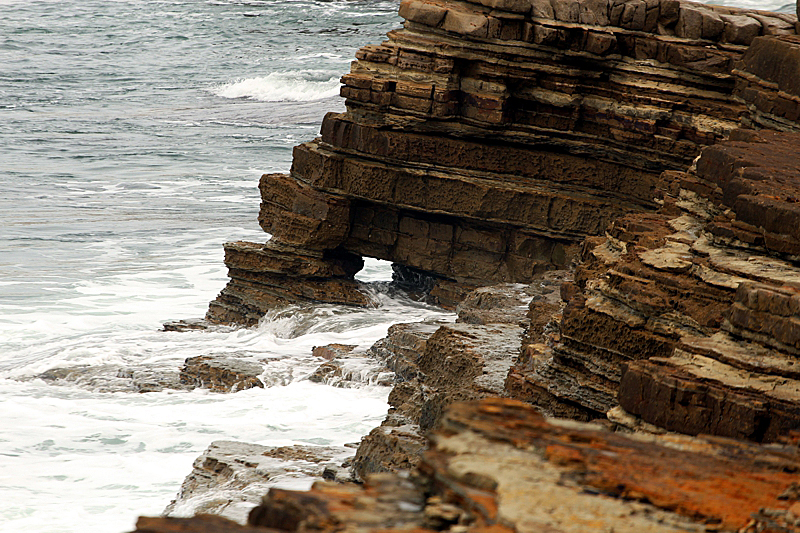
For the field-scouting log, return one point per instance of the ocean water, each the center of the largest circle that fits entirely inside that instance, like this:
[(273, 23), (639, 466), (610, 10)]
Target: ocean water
[(132, 136)]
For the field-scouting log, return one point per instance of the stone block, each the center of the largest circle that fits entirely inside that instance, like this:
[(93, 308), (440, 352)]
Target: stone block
[(690, 22), (774, 25), (634, 15), (417, 90), (567, 10), (542, 9), (740, 29), (420, 105), (465, 23), (594, 12), (600, 43), (713, 25), (294, 213), (487, 240), (421, 12), (615, 9), (513, 6)]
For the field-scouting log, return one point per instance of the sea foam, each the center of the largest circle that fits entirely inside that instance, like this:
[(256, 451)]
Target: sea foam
[(294, 86)]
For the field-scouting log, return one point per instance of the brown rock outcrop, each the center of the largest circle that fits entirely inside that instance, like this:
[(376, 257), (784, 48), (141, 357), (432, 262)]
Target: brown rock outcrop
[(498, 466), (767, 81), (484, 140), (456, 362), (437, 364), (230, 477), (497, 140), (202, 523), (686, 317), (221, 374), (272, 275)]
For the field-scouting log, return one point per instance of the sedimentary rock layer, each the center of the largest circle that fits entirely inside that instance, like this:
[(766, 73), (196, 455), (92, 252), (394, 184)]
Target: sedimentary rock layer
[(485, 139), (687, 317), (498, 466), (272, 275), (767, 81)]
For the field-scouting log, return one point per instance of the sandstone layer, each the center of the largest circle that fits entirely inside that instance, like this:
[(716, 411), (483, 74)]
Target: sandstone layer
[(498, 466), (688, 318), (484, 140)]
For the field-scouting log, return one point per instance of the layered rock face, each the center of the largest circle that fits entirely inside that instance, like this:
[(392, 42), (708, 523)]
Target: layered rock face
[(496, 141), (485, 139), (684, 316), (688, 318), (497, 466)]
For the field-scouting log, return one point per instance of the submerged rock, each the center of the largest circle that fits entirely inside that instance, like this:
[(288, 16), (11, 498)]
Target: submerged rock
[(114, 378), (230, 478), (221, 374)]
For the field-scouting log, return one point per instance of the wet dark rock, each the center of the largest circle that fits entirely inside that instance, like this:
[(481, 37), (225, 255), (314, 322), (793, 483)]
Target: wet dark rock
[(332, 351), (189, 324), (345, 368), (230, 478), (113, 378), (221, 374)]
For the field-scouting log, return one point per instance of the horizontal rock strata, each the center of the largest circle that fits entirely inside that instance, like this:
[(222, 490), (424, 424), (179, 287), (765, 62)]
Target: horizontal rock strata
[(498, 466), (264, 277), (230, 478), (456, 362), (498, 141), (484, 140), (767, 81), (437, 364), (686, 317)]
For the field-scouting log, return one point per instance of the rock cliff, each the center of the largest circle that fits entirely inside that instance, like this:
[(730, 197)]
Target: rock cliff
[(484, 140), (608, 191)]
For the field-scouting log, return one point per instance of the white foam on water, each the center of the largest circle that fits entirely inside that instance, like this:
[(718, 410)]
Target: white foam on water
[(75, 458), (293, 86), (82, 461)]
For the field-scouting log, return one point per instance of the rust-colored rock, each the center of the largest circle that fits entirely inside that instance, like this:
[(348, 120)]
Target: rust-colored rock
[(521, 464), (497, 466), (202, 523)]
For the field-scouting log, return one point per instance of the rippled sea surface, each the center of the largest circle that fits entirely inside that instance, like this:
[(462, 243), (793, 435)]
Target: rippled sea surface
[(132, 136)]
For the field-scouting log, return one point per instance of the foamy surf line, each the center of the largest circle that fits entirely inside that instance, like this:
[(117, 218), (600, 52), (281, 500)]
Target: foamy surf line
[(295, 86)]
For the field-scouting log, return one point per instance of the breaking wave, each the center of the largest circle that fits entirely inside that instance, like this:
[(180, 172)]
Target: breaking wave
[(295, 86)]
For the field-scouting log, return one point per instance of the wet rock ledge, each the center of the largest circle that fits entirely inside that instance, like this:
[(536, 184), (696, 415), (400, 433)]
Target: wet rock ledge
[(608, 193), (497, 465)]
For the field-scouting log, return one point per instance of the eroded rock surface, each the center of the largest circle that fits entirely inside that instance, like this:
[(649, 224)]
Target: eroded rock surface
[(221, 374), (494, 141), (230, 478), (484, 140), (687, 317), (497, 465), (437, 364)]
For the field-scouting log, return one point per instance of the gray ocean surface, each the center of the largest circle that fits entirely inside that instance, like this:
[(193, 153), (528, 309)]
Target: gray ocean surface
[(132, 136)]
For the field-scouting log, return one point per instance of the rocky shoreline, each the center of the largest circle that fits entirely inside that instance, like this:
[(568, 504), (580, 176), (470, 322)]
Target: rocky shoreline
[(608, 194)]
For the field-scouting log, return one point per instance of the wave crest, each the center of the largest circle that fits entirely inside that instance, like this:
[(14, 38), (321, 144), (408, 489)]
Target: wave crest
[(294, 86)]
